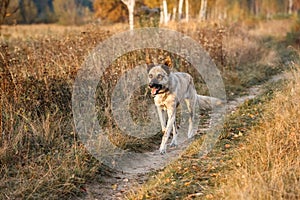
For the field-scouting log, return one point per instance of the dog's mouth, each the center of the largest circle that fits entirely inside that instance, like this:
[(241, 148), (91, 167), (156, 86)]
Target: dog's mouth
[(155, 88)]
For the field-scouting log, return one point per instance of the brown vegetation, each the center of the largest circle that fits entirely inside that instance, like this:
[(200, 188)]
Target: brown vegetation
[(40, 155), (257, 155), (267, 165)]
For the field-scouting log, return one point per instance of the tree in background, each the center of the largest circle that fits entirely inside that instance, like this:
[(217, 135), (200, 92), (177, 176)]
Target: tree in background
[(187, 8), (72, 12), (27, 12), (45, 11), (110, 11), (66, 11), (3, 10), (130, 6), (48, 11), (203, 10), (165, 13), (180, 5), (35, 11), (153, 3), (180, 8)]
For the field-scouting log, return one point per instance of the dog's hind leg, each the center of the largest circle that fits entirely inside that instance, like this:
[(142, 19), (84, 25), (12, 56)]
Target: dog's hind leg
[(174, 139), (191, 103)]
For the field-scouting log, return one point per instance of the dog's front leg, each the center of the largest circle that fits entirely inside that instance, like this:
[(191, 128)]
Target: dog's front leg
[(162, 118), (171, 120), (174, 140)]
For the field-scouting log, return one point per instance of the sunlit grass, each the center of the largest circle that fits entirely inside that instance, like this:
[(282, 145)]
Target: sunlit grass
[(40, 154)]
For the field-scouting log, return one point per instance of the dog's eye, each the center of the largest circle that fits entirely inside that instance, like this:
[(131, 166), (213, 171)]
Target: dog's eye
[(159, 76), (150, 76)]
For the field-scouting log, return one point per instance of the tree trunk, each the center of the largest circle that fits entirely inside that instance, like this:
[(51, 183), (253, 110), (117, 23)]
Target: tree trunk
[(161, 19), (203, 10), (291, 2), (165, 12), (180, 5), (186, 10), (131, 18), (174, 14), (3, 10), (130, 5), (257, 8)]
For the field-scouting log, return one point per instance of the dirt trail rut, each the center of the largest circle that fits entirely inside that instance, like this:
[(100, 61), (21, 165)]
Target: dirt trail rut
[(114, 185)]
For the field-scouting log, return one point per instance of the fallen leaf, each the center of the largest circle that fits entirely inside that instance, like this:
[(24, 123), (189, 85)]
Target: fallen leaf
[(187, 183), (114, 186)]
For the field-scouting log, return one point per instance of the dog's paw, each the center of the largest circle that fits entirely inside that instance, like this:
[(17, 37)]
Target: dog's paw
[(190, 135), (162, 151), (173, 143)]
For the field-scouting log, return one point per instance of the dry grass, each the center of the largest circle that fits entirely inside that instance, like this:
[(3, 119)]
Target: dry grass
[(262, 161), (192, 176), (268, 166), (40, 155), (258, 159), (277, 28)]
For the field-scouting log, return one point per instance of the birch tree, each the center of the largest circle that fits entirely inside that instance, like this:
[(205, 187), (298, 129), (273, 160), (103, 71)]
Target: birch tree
[(165, 12), (186, 10), (291, 2), (130, 6), (180, 5), (174, 14), (203, 10)]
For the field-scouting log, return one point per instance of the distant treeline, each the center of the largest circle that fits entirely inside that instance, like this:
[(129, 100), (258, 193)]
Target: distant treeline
[(110, 11), (48, 11)]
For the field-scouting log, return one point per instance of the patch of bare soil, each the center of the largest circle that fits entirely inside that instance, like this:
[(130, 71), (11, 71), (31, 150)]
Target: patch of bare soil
[(115, 184)]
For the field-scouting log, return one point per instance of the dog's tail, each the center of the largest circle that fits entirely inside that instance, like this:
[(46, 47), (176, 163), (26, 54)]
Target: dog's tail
[(207, 102)]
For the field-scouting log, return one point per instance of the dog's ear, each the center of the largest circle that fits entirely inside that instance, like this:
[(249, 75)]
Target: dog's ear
[(167, 64), (150, 66), (166, 68)]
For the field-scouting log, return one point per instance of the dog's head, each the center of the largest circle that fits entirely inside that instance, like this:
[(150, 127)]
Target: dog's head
[(158, 76)]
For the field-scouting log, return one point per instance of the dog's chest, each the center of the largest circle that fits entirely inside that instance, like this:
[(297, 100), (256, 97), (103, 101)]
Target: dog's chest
[(164, 101)]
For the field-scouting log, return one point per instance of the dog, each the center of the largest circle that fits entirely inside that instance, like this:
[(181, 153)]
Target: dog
[(169, 89)]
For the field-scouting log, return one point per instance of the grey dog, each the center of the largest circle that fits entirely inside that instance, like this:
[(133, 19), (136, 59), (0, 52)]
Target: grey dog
[(169, 90)]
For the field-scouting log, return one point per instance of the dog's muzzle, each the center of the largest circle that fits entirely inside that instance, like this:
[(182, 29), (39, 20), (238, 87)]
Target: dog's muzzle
[(155, 88)]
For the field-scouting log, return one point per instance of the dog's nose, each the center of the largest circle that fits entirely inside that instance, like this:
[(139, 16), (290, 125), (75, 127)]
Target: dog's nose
[(151, 84)]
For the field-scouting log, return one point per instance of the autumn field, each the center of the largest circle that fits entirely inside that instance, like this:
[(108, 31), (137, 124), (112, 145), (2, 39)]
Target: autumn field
[(257, 156)]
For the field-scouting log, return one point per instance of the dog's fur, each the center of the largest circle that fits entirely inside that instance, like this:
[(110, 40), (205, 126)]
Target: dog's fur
[(169, 90)]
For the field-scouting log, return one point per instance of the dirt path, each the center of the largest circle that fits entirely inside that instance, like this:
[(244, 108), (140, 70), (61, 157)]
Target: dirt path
[(114, 185)]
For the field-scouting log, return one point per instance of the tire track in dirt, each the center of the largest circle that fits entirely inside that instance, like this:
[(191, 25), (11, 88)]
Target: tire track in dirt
[(115, 184)]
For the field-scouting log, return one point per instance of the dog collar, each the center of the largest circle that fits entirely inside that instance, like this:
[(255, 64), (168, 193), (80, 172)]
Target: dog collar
[(163, 91)]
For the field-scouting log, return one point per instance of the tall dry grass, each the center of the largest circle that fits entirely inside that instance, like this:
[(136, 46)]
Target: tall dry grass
[(250, 59), (268, 167), (40, 154)]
